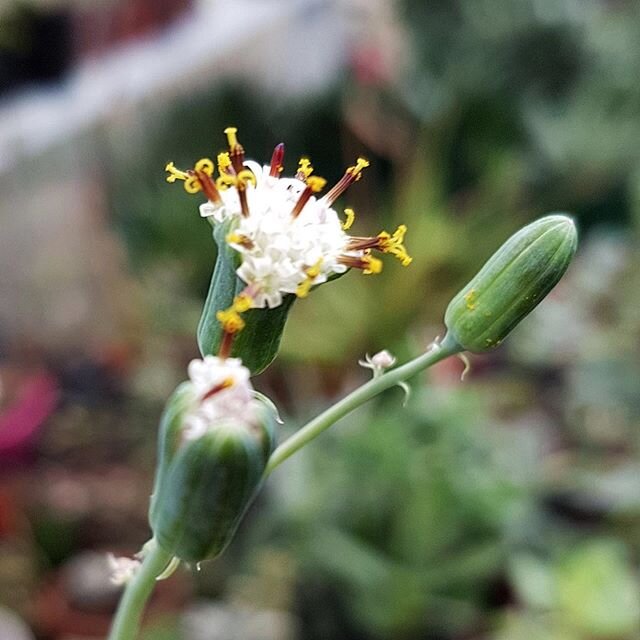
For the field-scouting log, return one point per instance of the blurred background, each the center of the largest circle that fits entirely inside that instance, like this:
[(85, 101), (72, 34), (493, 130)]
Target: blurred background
[(504, 507)]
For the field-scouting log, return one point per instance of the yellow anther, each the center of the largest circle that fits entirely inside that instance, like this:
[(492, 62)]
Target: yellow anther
[(314, 271), (351, 216), (224, 162), (226, 180), (393, 244), (192, 184), (246, 175), (373, 265), (232, 139), (175, 174), (205, 165), (235, 238), (304, 167), (230, 320), (356, 170), (242, 302), (240, 239), (302, 291), (316, 184)]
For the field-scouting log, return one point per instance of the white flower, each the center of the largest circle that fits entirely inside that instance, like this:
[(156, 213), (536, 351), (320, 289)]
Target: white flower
[(289, 239), (223, 393), (122, 569)]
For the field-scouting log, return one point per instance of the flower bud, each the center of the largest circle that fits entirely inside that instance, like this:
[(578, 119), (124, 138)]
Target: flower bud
[(258, 342), (216, 438), (512, 283)]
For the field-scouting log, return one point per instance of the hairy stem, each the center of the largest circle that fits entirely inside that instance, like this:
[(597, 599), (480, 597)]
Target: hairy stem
[(129, 614), (313, 429)]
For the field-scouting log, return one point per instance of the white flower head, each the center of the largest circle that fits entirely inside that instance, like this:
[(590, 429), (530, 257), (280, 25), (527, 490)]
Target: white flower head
[(122, 569), (223, 393), (288, 237)]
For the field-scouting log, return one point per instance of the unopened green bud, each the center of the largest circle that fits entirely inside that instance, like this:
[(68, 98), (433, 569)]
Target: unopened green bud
[(215, 440), (258, 342), (512, 283)]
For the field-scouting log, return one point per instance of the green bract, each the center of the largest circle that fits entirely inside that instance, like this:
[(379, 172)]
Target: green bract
[(512, 283), (257, 344), (204, 485), (169, 438)]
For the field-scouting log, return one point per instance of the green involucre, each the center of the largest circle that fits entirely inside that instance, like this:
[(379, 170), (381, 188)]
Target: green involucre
[(204, 486), (258, 343), (178, 404), (512, 283)]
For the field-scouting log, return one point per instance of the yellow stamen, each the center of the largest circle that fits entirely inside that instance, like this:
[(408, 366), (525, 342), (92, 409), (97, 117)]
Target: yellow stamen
[(175, 174), (192, 184), (312, 272), (238, 238), (205, 165), (245, 176), (239, 181), (393, 244), (242, 302), (230, 320), (316, 184), (196, 180), (232, 139), (356, 170), (351, 175), (304, 169), (224, 162), (373, 265), (351, 216)]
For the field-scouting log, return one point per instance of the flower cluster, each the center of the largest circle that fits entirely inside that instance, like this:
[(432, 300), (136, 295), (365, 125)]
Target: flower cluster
[(289, 238), (222, 391)]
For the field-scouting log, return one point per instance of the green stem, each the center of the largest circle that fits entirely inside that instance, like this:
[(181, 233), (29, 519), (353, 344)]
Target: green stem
[(311, 430), (129, 614), (126, 623)]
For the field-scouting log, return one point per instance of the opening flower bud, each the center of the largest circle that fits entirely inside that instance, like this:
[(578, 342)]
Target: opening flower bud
[(216, 437), (512, 283)]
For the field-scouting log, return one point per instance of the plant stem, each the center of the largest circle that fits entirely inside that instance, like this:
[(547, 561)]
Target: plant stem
[(126, 623), (311, 430), (129, 614)]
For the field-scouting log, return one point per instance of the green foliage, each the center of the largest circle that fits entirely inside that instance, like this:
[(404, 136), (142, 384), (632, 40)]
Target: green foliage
[(589, 591), (410, 519)]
